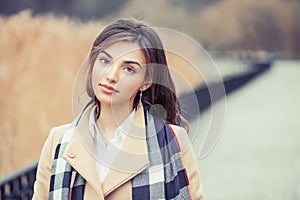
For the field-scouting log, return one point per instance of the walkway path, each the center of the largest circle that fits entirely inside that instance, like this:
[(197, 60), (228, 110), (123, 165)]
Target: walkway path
[(258, 155)]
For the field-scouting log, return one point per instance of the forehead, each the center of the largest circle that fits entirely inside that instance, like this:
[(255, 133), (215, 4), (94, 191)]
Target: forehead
[(126, 50)]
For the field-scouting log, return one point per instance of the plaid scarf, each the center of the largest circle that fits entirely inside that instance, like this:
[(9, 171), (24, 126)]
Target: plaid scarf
[(165, 178)]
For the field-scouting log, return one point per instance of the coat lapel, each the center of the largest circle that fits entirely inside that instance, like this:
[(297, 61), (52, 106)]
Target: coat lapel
[(79, 153), (131, 160)]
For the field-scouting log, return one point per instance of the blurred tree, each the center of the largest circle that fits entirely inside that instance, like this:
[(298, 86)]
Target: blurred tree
[(195, 5), (85, 10), (262, 31), (220, 25)]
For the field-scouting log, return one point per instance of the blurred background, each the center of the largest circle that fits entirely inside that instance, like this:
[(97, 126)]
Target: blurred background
[(42, 44)]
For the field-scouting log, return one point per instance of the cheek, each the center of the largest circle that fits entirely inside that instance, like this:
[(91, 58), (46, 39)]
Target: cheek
[(96, 75), (129, 84)]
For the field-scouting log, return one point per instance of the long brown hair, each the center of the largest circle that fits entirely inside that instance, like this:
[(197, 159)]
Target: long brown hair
[(162, 92)]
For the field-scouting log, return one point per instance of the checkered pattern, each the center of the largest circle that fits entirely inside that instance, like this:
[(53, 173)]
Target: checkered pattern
[(166, 177), (65, 182)]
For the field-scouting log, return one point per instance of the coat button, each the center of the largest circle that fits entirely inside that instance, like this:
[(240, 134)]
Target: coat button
[(71, 155)]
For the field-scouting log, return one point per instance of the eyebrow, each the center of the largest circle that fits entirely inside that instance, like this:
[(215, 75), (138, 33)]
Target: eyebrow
[(133, 62), (126, 61), (104, 52)]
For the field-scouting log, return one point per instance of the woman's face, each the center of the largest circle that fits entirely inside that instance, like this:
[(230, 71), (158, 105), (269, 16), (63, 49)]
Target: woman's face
[(119, 73)]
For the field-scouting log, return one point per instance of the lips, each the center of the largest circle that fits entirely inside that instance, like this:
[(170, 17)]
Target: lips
[(108, 89)]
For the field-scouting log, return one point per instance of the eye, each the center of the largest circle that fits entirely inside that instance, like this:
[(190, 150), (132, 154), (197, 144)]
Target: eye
[(129, 69), (104, 61)]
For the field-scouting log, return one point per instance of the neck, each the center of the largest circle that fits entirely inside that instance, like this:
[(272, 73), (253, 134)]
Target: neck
[(110, 118)]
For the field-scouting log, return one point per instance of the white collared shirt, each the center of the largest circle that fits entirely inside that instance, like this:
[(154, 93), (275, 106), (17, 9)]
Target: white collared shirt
[(106, 152)]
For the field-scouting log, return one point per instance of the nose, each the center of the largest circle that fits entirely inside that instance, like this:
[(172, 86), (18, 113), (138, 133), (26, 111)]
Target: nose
[(111, 74)]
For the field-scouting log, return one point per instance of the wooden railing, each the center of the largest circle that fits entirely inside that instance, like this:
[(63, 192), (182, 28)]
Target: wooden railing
[(229, 84), (19, 186)]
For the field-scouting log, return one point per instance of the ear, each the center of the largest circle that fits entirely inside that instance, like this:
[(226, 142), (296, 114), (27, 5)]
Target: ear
[(145, 86)]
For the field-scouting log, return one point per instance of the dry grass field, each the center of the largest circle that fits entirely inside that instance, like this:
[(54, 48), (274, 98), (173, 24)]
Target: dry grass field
[(39, 58)]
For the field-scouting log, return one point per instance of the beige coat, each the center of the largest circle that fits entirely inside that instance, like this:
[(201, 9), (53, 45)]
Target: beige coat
[(117, 184)]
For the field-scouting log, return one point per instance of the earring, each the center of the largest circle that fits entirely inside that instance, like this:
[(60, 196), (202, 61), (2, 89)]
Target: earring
[(97, 102), (141, 95)]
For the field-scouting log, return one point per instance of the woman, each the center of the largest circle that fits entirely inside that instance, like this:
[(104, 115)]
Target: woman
[(126, 143)]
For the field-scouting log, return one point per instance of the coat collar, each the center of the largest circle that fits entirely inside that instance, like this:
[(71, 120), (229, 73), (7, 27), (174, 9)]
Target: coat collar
[(131, 160)]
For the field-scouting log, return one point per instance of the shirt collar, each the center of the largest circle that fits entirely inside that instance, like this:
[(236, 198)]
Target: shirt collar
[(92, 122), (123, 128)]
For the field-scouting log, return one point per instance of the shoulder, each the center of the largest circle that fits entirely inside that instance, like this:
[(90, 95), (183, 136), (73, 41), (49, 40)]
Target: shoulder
[(52, 141), (54, 138), (189, 161), (182, 137), (57, 132)]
